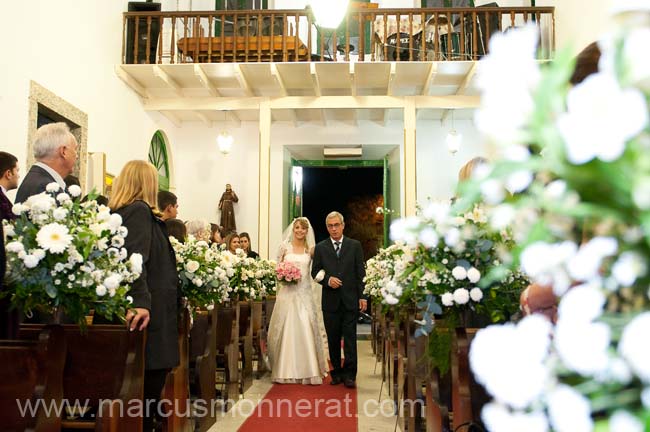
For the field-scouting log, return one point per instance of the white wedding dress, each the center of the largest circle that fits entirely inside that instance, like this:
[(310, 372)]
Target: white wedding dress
[(296, 348)]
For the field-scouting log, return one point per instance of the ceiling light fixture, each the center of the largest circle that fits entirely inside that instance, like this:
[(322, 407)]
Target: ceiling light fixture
[(454, 139), (329, 14), (224, 142)]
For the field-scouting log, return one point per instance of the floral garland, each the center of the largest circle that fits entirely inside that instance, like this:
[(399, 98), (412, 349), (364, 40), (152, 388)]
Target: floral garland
[(579, 204), (68, 255)]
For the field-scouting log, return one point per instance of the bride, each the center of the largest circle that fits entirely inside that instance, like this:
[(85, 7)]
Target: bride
[(296, 351)]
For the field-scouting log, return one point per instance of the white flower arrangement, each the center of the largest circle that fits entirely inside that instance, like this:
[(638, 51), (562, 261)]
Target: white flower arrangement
[(202, 281), (58, 258), (589, 179), (381, 270)]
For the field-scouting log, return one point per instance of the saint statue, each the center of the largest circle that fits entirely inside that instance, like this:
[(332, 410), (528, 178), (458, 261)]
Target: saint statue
[(228, 210)]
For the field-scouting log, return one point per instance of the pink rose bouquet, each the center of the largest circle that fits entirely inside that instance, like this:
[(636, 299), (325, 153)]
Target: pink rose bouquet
[(288, 272)]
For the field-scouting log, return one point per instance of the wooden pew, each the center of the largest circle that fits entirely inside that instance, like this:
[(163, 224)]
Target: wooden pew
[(104, 363), (203, 357), (227, 351), (245, 346), (176, 389), (32, 371), (257, 323)]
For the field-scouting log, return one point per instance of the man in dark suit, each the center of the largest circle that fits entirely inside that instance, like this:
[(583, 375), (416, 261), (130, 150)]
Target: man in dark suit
[(55, 151), (9, 176), (338, 266)]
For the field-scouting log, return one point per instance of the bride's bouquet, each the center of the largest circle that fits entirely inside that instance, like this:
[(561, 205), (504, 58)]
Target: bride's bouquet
[(288, 272)]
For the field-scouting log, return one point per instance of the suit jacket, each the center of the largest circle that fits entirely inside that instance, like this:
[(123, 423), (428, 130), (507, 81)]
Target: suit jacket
[(157, 288), (33, 183), (348, 266), (5, 207)]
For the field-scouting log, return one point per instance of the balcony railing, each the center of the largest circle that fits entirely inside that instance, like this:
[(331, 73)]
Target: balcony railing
[(427, 34)]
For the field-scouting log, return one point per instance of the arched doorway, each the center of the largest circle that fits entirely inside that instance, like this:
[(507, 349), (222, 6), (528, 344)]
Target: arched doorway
[(159, 157)]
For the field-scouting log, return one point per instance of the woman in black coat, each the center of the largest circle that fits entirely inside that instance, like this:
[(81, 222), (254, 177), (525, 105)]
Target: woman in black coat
[(155, 292)]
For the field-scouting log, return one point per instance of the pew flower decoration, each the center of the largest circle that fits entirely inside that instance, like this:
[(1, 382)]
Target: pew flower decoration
[(243, 283), (455, 266), (288, 273), (266, 277), (380, 282), (580, 213), (67, 256), (202, 281)]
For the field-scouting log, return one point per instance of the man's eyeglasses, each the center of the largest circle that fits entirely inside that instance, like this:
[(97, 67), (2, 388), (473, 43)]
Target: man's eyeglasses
[(336, 225)]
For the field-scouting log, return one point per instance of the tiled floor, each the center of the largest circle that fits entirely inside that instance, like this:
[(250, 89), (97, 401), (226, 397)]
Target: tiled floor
[(373, 415)]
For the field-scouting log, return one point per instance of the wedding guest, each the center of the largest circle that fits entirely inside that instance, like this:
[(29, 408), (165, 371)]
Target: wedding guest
[(245, 244), (232, 243), (216, 236), (168, 205), (177, 229), (71, 180), (154, 293), (55, 151), (200, 229), (9, 176), (467, 170)]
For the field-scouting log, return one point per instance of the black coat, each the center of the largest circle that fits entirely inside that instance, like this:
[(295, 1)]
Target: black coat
[(157, 288), (34, 183), (348, 266)]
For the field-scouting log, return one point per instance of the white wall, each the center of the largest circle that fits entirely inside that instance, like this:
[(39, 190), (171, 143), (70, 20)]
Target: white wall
[(437, 169), (70, 47)]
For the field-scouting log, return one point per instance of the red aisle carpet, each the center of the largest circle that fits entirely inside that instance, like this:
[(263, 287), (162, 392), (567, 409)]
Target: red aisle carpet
[(302, 408)]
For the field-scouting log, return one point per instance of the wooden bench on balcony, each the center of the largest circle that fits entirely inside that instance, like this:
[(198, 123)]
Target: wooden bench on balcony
[(243, 48)]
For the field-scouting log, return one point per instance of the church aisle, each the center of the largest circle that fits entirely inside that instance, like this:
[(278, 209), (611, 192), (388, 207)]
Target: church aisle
[(372, 416)]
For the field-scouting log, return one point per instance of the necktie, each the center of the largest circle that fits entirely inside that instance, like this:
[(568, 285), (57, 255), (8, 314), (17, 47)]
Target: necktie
[(337, 248)]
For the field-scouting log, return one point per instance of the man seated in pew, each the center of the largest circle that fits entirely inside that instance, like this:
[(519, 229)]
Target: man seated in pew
[(155, 293)]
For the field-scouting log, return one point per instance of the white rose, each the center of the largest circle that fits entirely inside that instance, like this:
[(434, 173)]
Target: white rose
[(198, 282), (459, 273), (52, 187), (447, 299), (100, 290), (192, 266), (115, 221), (461, 296), (15, 247), (30, 261), (135, 262), (74, 190), (476, 294), (473, 275), (112, 282)]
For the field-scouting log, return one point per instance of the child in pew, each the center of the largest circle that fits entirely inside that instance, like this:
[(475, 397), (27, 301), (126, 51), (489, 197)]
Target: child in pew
[(155, 293)]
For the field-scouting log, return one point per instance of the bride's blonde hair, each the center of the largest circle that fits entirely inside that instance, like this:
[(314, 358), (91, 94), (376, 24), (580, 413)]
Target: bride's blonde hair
[(302, 221)]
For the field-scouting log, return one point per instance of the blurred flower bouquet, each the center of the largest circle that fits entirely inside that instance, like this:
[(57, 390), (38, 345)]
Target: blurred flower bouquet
[(67, 256), (287, 272), (202, 281), (579, 202), (382, 270)]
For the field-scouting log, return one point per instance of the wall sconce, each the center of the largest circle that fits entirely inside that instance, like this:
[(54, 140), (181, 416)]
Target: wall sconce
[(454, 139), (329, 14), (224, 142)]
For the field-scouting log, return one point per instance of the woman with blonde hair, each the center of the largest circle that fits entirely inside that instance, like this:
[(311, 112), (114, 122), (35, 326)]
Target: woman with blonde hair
[(232, 242), (154, 293)]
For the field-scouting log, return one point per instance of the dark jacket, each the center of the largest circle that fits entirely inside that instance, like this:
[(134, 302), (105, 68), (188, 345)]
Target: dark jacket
[(157, 288), (33, 183), (6, 212), (348, 266)]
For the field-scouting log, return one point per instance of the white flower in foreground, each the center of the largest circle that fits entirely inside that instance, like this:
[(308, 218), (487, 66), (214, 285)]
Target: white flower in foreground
[(405, 230), (545, 263), (634, 348), (502, 216), (114, 221), (493, 191), (38, 253), (583, 347), (74, 190), (452, 237), (476, 294), (624, 421), (428, 237), (569, 411), (52, 187), (459, 273), (637, 67), (54, 237), (100, 290), (586, 263), (112, 281), (498, 418), (628, 267), (18, 209), (30, 261), (461, 296), (592, 107), (473, 275), (500, 355), (437, 211), (63, 197), (15, 247), (582, 304), (192, 266), (135, 261), (447, 299), (60, 213), (40, 203)]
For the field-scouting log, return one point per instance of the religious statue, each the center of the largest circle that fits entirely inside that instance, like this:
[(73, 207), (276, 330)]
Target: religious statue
[(228, 210)]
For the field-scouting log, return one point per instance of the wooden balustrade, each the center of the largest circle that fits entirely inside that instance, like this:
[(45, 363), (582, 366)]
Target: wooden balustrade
[(284, 35)]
